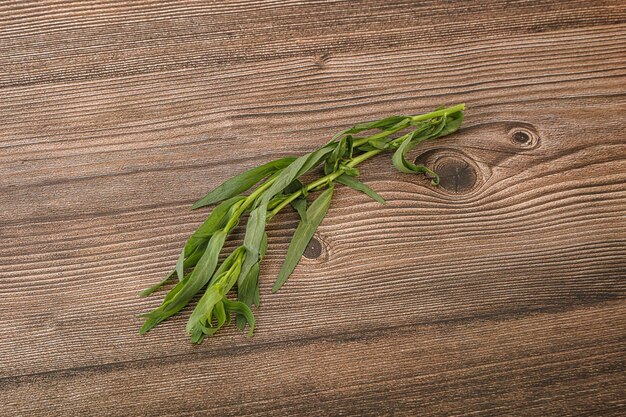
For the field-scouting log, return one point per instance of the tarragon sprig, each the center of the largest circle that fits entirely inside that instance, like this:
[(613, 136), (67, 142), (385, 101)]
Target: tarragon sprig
[(198, 268)]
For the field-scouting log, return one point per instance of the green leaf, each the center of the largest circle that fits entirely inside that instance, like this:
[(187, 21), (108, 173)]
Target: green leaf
[(453, 123), (299, 204), (220, 313), (294, 171), (366, 148), (193, 259), (187, 288), (359, 186), (248, 287), (387, 126), (303, 234), (254, 242), (180, 264), (419, 135), (343, 148), (294, 186), (242, 182), (216, 220), (379, 143), (425, 132), (399, 160), (242, 310), (255, 231), (216, 291), (381, 124)]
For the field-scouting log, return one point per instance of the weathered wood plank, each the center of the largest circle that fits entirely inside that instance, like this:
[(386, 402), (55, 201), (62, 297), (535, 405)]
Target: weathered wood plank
[(500, 291), (47, 43), (487, 366), (178, 128)]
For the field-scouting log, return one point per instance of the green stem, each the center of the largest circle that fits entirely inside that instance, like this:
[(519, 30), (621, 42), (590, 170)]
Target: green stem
[(380, 135), (247, 202), (438, 113)]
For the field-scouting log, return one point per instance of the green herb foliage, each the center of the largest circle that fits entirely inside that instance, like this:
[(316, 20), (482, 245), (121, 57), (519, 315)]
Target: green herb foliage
[(278, 184)]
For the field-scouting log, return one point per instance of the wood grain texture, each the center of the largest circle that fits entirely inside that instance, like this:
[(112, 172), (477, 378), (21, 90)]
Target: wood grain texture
[(499, 293)]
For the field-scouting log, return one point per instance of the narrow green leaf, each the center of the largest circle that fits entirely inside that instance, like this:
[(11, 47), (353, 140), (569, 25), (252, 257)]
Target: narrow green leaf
[(193, 259), (248, 287), (419, 135), (220, 313), (297, 168), (180, 264), (214, 222), (294, 186), (428, 131), (376, 124), (366, 148), (255, 231), (203, 312), (189, 287), (303, 234), (242, 182), (242, 310), (379, 143), (399, 160), (453, 123), (253, 243), (216, 291), (342, 149), (359, 186), (299, 204)]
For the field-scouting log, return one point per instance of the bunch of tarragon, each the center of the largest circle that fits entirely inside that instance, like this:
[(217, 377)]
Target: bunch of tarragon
[(277, 186)]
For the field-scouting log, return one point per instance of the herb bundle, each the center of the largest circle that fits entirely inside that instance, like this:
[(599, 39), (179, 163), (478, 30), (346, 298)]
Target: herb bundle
[(198, 268)]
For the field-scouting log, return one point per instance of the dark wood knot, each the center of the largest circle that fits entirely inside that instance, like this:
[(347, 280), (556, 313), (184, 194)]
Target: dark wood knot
[(455, 174), (520, 137), (314, 249), (458, 174), (523, 135)]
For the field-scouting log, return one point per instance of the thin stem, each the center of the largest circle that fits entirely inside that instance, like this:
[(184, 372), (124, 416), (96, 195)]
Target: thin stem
[(247, 202), (438, 113), (380, 135)]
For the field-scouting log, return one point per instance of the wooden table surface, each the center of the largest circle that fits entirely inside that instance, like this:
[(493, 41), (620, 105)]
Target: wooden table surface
[(502, 292)]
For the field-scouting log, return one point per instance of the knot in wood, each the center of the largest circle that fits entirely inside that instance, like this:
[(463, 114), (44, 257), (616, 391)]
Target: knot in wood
[(455, 174), (520, 137), (523, 135), (313, 249), (458, 174)]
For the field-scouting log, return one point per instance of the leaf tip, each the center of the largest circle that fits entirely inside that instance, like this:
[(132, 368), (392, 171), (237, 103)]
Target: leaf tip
[(147, 326), (146, 292)]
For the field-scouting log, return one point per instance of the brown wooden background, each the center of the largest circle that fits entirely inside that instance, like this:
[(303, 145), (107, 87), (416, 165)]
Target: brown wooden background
[(500, 293)]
